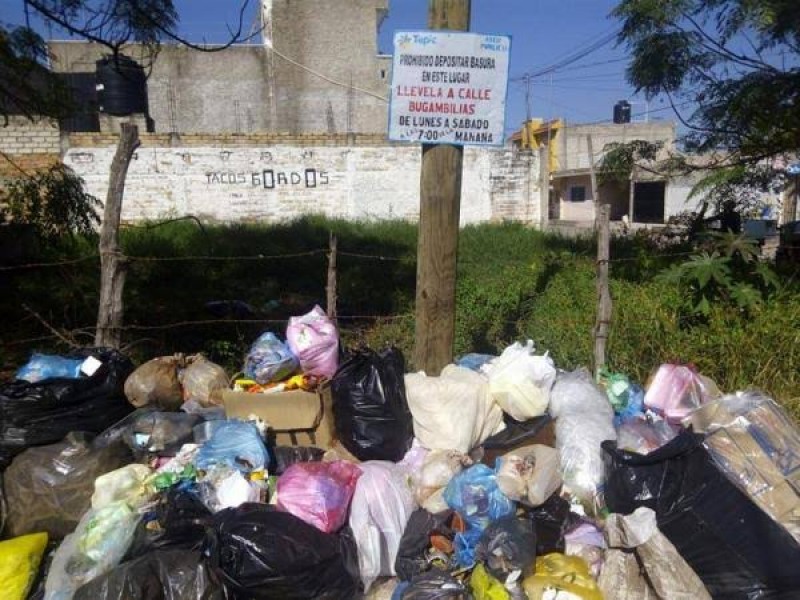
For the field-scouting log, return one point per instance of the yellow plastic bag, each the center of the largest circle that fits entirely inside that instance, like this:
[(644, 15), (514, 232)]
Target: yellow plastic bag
[(486, 587), (563, 574), (19, 564)]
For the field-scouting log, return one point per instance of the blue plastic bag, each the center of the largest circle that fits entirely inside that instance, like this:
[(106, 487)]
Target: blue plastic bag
[(234, 444), (270, 360), (474, 361), (49, 366), (474, 495)]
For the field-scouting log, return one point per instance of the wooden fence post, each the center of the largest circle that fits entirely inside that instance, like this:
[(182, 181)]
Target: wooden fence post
[(440, 206), (331, 287), (603, 294), (112, 263)]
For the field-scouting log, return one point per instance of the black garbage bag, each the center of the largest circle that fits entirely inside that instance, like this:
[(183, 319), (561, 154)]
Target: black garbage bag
[(415, 542), (370, 409), (160, 575), (35, 414), (180, 521), (49, 488), (264, 554), (435, 585), (507, 545), (286, 456), (551, 521), (737, 550)]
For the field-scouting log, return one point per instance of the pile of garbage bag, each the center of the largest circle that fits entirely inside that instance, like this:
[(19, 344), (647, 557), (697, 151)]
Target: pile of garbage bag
[(501, 478)]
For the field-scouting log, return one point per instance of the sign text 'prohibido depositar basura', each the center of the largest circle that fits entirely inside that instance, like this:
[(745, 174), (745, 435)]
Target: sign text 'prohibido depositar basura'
[(449, 88)]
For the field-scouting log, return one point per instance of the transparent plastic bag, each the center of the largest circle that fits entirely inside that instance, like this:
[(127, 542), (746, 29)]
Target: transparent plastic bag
[(314, 340), (520, 381), (437, 469), (156, 383), (128, 484), (162, 433), (435, 402), (203, 381), (270, 360), (19, 564), (381, 507), (49, 488), (95, 547), (529, 474), (319, 493), (225, 487), (644, 433), (756, 444), (236, 444), (584, 420), (48, 366), (676, 390)]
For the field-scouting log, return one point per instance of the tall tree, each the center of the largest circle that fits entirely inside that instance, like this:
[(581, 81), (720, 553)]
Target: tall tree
[(731, 70)]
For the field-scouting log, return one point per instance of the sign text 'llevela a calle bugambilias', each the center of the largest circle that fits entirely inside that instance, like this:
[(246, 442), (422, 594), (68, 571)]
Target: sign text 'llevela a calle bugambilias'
[(449, 88)]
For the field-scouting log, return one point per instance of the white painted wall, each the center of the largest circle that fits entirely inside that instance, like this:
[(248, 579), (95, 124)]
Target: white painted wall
[(352, 182)]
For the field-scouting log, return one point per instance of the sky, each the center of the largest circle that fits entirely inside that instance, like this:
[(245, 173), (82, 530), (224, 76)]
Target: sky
[(543, 32)]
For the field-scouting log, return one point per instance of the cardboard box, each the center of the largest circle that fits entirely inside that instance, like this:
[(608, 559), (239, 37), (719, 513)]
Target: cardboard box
[(297, 418)]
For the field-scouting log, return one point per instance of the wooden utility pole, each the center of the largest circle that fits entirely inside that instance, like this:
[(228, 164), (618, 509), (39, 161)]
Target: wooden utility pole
[(331, 287), (603, 294), (440, 205), (112, 267), (592, 174)]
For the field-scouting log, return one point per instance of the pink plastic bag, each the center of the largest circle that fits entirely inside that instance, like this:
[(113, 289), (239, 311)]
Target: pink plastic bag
[(314, 340), (319, 493), (677, 390)]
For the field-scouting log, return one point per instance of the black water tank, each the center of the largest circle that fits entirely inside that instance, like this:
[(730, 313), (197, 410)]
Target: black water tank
[(121, 86), (622, 112)]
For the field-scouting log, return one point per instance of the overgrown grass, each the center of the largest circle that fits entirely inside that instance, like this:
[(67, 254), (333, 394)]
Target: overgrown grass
[(513, 283)]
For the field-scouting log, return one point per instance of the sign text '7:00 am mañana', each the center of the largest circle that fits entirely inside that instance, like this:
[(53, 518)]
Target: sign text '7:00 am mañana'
[(269, 178)]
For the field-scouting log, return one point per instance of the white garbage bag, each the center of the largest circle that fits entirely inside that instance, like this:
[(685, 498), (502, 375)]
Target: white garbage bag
[(520, 381)]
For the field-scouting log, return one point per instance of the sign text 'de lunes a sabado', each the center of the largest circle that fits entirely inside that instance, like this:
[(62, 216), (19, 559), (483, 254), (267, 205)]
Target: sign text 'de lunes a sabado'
[(449, 88)]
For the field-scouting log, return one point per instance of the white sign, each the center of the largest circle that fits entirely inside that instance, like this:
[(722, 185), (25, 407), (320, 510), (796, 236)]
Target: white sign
[(449, 88)]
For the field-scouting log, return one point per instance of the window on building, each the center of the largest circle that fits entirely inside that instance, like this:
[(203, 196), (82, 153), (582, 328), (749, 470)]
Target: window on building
[(383, 73), (577, 193)]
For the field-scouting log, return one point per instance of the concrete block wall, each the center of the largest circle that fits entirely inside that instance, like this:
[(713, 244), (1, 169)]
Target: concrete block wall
[(272, 178)]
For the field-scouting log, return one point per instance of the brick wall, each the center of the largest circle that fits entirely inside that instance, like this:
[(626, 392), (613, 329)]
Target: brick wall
[(22, 136), (275, 177)]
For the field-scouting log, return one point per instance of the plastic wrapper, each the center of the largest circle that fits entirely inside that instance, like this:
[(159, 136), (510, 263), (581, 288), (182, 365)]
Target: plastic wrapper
[(48, 366), (270, 360), (438, 468), (435, 585), (529, 474), (50, 488), (520, 381), (508, 548), (128, 484), (19, 563), (203, 381), (562, 574), (733, 546), (234, 444), (474, 361), (457, 391), (225, 487), (36, 414), (411, 554), (626, 398), (381, 506), (164, 574), (641, 564), (286, 456), (370, 410), (155, 383), (162, 433), (755, 443), (263, 554), (676, 390), (584, 419), (95, 547), (315, 342), (486, 587), (319, 493)]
